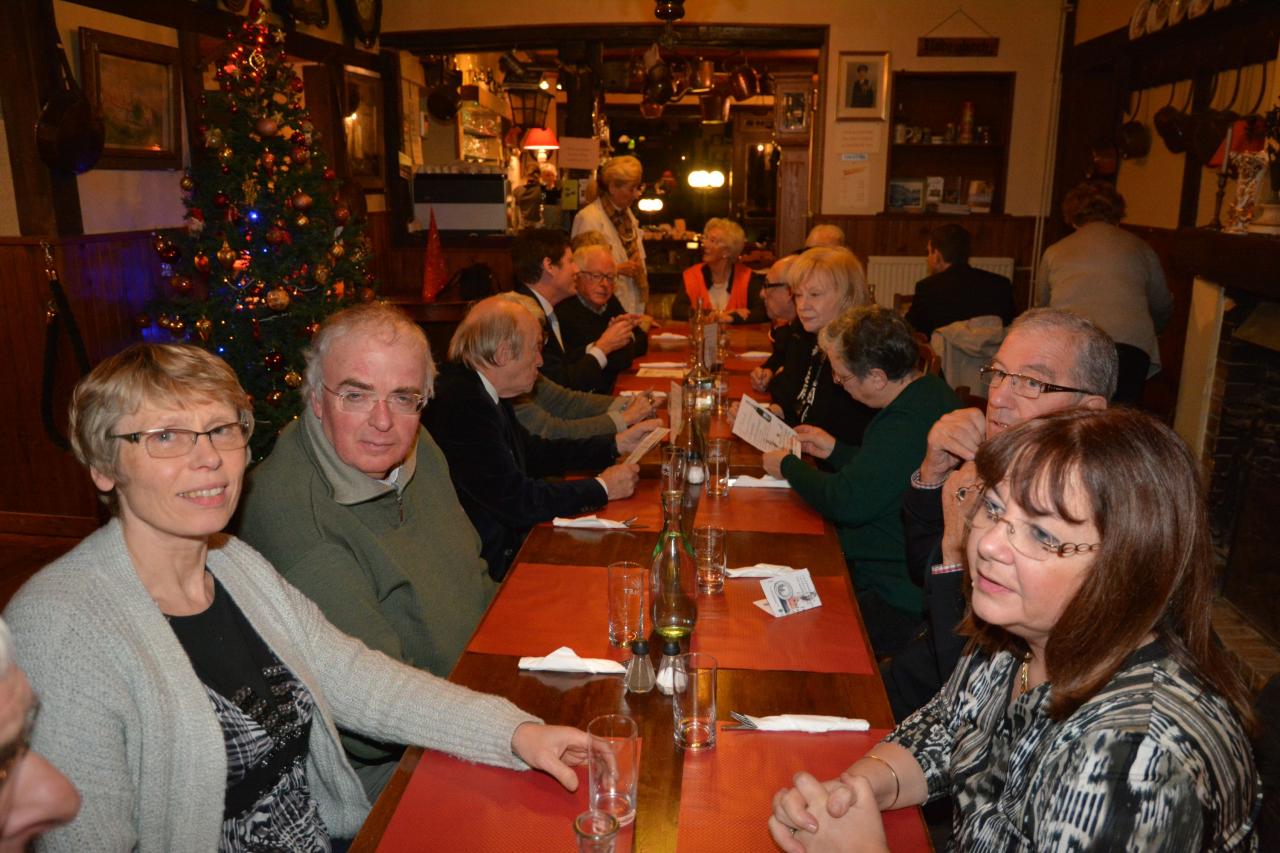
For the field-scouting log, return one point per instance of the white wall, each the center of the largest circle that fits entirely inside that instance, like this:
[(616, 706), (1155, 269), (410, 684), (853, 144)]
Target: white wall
[(1028, 31)]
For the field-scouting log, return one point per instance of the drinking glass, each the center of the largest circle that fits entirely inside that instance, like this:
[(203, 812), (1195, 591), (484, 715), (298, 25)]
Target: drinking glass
[(709, 550), (721, 382), (596, 832), (673, 469), (693, 702), (626, 602), (614, 766), (718, 467)]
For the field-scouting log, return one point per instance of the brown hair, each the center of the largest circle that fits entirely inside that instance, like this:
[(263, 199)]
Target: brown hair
[(1154, 571), (1093, 201)]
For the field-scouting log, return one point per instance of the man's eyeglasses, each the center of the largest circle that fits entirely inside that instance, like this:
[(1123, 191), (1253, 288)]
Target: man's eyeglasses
[(1023, 385), (1027, 538), (356, 402), (11, 753), (598, 276), (171, 442)]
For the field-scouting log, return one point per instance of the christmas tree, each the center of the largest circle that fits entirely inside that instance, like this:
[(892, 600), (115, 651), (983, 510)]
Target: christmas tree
[(270, 248)]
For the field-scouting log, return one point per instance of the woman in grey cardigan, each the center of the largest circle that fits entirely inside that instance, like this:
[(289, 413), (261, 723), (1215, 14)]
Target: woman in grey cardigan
[(180, 673)]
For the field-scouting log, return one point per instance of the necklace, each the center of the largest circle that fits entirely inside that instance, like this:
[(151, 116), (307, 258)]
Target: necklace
[(1024, 673)]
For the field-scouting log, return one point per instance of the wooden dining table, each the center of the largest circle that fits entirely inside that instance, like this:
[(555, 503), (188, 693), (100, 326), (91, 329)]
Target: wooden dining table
[(815, 662)]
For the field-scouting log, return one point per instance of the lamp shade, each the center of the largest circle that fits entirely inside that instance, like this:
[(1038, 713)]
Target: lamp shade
[(529, 105), (540, 139)]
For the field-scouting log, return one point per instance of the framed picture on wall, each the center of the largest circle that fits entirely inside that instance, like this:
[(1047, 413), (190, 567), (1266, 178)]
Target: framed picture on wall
[(862, 85), (135, 86)]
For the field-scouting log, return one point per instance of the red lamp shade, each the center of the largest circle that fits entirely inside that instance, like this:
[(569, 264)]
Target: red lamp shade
[(540, 139)]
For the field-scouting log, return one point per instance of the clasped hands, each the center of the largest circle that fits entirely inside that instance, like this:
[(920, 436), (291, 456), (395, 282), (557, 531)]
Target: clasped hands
[(826, 817)]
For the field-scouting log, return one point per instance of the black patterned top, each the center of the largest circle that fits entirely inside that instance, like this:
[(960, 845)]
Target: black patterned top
[(1152, 762), (265, 713)]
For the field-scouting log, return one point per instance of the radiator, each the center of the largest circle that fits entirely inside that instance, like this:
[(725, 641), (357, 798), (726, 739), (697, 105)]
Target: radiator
[(891, 275)]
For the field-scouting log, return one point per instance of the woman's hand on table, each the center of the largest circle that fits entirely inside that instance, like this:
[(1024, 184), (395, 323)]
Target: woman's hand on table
[(815, 441), (760, 378), (555, 750), (630, 437), (826, 817), (771, 461)]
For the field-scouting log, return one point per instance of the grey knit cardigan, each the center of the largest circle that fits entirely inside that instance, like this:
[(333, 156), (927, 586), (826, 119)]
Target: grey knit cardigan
[(126, 719)]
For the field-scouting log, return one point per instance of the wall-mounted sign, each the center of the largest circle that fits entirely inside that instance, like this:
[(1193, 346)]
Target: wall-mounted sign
[(957, 46)]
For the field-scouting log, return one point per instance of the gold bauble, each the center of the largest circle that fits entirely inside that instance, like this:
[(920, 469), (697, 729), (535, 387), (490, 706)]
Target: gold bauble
[(302, 221), (277, 299), (225, 155), (321, 273), (203, 327), (337, 250), (293, 379), (226, 255)]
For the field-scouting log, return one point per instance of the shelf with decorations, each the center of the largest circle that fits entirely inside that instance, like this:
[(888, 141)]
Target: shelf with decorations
[(949, 142)]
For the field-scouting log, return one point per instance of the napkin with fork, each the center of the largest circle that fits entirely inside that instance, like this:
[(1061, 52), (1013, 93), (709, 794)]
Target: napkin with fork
[(565, 659), (807, 723)]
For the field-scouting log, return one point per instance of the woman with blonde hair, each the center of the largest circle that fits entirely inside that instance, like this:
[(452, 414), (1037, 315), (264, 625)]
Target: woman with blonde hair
[(720, 284), (611, 215)]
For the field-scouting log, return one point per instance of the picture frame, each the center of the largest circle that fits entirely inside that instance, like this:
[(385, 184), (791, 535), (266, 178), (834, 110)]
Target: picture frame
[(363, 126), (862, 88), (906, 194), (135, 87), (313, 12)]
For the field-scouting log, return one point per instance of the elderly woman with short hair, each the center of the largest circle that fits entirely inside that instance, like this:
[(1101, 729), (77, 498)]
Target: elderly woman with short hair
[(610, 214), (191, 694), (721, 285), (874, 359), (1095, 708)]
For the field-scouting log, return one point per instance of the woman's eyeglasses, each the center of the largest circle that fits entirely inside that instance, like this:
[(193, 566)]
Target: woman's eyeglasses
[(171, 442), (1027, 538)]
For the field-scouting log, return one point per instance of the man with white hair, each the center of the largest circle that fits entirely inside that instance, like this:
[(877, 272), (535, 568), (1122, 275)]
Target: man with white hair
[(1051, 360), (825, 234), (498, 468), (355, 508), (34, 796), (587, 316)]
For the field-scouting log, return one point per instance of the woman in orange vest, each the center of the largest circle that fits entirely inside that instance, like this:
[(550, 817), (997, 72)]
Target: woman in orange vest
[(720, 283)]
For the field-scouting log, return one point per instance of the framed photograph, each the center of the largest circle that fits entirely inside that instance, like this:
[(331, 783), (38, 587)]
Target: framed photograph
[(863, 85), (792, 106), (134, 85), (362, 121), (906, 194)]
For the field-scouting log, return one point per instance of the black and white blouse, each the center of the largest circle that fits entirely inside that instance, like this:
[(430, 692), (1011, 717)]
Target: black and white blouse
[(1152, 762)]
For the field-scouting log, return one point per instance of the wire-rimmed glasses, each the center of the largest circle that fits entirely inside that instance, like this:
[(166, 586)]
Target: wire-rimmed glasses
[(171, 442), (1026, 537)]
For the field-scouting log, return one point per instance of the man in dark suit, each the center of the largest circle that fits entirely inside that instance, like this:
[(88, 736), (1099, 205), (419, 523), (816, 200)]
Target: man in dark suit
[(955, 290), (587, 317), (547, 272), (498, 467)]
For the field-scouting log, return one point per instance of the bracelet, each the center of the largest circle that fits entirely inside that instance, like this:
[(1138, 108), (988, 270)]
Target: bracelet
[(897, 786), (921, 484)]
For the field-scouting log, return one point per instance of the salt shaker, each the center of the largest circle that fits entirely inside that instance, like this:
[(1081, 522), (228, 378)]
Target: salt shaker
[(639, 677), (694, 472), (667, 667)]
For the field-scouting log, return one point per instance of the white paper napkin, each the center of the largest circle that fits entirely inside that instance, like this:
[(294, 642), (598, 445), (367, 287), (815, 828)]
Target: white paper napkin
[(661, 364), (565, 659), (742, 481), (808, 723), (668, 336), (759, 570), (591, 522), (755, 353)]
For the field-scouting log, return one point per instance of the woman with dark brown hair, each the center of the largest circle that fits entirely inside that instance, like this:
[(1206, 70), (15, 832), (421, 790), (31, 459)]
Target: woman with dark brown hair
[(1095, 707), (1111, 277)]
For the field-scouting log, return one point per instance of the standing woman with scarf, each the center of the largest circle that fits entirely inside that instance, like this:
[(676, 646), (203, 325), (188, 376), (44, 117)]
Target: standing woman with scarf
[(610, 214)]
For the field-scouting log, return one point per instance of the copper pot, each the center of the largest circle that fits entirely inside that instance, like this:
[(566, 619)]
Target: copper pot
[(714, 107), (744, 83)]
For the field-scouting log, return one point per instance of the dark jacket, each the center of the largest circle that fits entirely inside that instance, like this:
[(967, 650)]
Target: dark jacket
[(959, 292), (498, 467), (581, 372), (581, 327)]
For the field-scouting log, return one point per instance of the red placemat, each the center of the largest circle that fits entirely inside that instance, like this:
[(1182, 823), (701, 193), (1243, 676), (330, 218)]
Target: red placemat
[(454, 805), (742, 636), (726, 795), (761, 511), (542, 607)]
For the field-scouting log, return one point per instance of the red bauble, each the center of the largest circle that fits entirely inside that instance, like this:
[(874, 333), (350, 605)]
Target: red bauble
[(201, 261), (330, 174), (296, 84), (301, 200), (221, 200), (341, 215), (266, 127), (298, 138), (300, 155)]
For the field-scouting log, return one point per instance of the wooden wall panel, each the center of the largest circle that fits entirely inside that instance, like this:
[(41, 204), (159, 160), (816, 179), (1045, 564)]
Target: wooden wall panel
[(108, 280)]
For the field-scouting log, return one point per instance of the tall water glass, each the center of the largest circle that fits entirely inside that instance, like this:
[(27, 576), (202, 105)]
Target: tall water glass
[(718, 467), (614, 766), (597, 832), (626, 602), (693, 702), (673, 468), (709, 552)]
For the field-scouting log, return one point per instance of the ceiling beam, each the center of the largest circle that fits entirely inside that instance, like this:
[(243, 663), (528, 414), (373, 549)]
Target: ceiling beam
[(483, 39)]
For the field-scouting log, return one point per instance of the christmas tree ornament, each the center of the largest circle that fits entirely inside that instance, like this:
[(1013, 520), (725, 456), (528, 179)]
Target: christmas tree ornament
[(181, 284), (273, 361), (301, 200), (266, 127), (275, 398), (277, 299), (170, 254), (226, 255), (330, 174), (226, 155), (293, 379), (221, 200), (201, 261), (302, 221), (337, 250), (341, 214), (310, 329), (275, 234), (187, 184), (296, 84), (204, 326), (213, 137), (177, 326)]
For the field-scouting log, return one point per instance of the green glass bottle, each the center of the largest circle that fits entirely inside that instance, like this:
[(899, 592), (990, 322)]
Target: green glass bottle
[(672, 575)]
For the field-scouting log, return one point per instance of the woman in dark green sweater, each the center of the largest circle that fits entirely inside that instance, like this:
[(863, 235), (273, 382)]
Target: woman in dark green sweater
[(873, 357)]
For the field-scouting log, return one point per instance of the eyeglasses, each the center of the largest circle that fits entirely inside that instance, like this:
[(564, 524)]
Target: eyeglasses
[(171, 442), (356, 402), (1027, 538), (11, 753), (598, 276), (841, 380), (1023, 385)]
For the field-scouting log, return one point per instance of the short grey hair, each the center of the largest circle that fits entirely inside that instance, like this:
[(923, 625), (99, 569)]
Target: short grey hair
[(1097, 366), (588, 238), (781, 269), (825, 234), (872, 337), (489, 324), (581, 253), (734, 237), (368, 318), (839, 268)]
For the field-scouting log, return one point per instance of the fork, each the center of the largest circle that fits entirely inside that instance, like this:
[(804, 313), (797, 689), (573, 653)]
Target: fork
[(743, 720)]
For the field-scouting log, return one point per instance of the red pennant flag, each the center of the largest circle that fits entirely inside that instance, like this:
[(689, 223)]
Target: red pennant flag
[(434, 273)]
